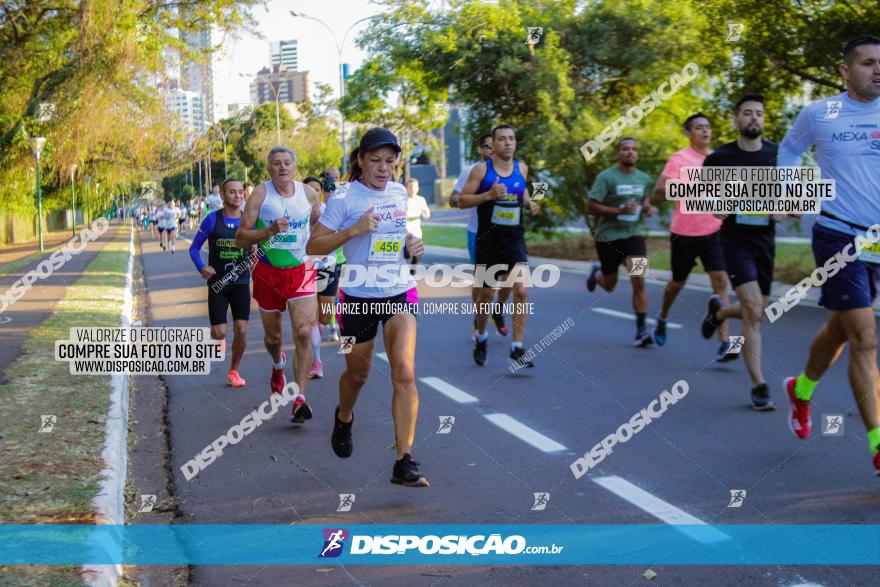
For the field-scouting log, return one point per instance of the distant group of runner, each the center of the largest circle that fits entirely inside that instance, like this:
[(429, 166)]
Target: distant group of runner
[(300, 234)]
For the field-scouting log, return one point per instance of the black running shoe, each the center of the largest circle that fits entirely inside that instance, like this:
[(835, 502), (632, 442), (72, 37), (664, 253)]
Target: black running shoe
[(643, 337), (301, 411), (761, 398), (341, 438), (591, 280), (710, 323), (518, 356), (406, 472), (660, 332), (498, 319), (480, 351), (723, 356)]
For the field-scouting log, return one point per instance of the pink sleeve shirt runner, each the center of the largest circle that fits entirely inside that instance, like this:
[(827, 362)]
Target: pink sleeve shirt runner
[(688, 224)]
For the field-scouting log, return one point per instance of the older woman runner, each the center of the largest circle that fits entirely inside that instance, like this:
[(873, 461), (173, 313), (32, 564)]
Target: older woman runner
[(368, 220)]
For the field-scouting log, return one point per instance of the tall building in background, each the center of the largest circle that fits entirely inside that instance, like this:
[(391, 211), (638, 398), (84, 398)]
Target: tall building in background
[(189, 109), (284, 53), (292, 86), (198, 76)]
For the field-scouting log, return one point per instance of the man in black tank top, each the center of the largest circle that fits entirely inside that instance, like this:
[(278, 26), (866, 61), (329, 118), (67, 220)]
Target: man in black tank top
[(227, 273), (498, 188)]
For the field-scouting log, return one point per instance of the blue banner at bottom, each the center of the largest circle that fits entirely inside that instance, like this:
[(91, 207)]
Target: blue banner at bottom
[(626, 544)]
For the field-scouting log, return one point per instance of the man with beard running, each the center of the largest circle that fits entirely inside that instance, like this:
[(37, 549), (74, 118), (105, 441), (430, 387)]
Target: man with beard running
[(748, 244)]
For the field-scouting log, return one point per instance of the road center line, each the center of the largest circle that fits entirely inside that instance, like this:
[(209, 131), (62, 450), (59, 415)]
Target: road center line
[(450, 391), (624, 315), (524, 433), (685, 523)]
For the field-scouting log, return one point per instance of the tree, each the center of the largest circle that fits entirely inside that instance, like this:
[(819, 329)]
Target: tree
[(593, 63), (99, 62)]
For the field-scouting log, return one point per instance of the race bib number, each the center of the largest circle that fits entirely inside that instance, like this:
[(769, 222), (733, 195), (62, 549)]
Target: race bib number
[(870, 252), (631, 190), (386, 246), (753, 219), (505, 215), (634, 217), (290, 240)]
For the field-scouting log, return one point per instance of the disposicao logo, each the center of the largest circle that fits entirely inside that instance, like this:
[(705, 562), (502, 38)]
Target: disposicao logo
[(334, 542)]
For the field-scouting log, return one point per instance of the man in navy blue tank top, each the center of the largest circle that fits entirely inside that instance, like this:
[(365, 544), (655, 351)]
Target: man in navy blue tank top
[(227, 274), (497, 188)]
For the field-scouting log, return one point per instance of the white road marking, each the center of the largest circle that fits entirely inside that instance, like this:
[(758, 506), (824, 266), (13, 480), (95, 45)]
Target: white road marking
[(524, 433), (624, 315), (449, 390), (382, 356), (662, 510)]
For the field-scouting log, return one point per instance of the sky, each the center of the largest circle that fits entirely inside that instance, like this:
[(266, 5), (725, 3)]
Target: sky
[(317, 49)]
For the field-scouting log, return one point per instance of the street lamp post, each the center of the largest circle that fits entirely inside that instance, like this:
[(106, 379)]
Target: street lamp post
[(73, 196), (88, 197), (339, 48), (37, 144)]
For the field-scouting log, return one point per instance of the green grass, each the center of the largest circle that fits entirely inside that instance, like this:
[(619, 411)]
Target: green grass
[(793, 261), (18, 263), (445, 236), (52, 477)]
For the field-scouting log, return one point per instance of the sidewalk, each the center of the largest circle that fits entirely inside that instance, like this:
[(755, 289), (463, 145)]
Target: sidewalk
[(11, 254), (695, 281), (18, 320)]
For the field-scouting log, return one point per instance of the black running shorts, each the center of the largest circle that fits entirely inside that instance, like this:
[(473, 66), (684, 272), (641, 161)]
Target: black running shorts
[(360, 317), (327, 281), (685, 250), (507, 254), (748, 260), (237, 296), (612, 253)]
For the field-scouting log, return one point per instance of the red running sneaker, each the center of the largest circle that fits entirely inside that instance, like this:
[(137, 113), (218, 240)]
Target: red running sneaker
[(799, 414), (277, 382), (877, 461), (235, 380)]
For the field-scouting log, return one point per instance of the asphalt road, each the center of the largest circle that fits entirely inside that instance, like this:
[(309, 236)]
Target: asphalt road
[(583, 387)]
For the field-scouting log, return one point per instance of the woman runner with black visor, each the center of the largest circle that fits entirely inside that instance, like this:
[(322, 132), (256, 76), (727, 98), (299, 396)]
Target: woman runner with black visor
[(368, 220)]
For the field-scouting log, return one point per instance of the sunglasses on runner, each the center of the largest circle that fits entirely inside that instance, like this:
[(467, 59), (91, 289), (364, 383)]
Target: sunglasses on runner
[(485, 146)]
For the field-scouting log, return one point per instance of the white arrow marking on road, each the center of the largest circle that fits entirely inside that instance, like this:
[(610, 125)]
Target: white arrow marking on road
[(524, 433), (624, 315), (382, 356), (450, 391), (662, 510)]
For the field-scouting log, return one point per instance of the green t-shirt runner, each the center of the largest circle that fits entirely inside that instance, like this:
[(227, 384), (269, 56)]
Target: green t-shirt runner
[(615, 188)]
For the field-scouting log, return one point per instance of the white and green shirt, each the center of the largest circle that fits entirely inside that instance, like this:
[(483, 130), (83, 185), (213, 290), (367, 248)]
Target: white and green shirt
[(288, 248)]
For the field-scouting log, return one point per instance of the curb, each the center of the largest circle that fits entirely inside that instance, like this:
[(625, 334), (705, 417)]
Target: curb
[(110, 501)]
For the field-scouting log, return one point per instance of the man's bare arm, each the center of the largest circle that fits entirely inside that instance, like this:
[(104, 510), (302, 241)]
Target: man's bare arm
[(659, 193), (247, 235), (469, 198), (315, 201)]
